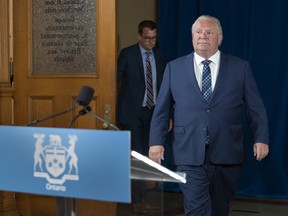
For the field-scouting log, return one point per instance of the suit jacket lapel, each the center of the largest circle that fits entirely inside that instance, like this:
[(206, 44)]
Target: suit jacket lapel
[(220, 78), (189, 65), (139, 61)]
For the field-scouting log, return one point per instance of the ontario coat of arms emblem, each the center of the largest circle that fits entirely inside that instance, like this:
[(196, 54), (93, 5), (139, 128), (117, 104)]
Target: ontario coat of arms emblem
[(54, 161)]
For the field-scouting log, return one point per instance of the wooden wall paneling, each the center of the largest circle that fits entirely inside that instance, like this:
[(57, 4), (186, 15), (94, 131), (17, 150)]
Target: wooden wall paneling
[(37, 96), (7, 199)]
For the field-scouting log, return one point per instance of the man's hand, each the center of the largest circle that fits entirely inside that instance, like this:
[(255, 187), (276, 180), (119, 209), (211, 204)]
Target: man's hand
[(261, 150), (156, 153)]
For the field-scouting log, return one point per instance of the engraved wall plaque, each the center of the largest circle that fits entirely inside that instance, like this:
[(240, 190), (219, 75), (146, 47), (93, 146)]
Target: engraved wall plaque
[(63, 37)]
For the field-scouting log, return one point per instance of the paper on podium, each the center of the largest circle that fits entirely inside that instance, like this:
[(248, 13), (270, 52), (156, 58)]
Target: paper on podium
[(143, 168)]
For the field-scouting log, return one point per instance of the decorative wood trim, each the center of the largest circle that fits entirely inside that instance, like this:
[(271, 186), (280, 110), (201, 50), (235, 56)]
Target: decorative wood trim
[(7, 199), (6, 90), (4, 41)]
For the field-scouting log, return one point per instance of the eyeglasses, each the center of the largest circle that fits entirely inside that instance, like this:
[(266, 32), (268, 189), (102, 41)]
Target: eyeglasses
[(148, 39)]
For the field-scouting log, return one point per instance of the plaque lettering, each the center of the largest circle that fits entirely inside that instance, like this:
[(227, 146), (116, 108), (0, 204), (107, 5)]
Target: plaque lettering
[(63, 37)]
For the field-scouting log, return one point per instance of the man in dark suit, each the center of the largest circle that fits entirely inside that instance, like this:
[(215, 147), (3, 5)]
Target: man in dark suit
[(136, 98), (208, 120)]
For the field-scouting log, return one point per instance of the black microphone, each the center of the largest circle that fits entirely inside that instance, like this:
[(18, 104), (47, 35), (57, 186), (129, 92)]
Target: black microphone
[(81, 112), (102, 119), (84, 97)]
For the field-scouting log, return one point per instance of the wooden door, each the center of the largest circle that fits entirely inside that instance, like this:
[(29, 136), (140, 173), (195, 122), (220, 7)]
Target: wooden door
[(42, 94)]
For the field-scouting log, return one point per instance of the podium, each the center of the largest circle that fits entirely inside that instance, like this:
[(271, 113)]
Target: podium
[(74, 163), (142, 168)]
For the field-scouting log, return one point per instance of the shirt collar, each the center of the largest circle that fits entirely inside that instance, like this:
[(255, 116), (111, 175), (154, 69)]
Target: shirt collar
[(215, 58), (143, 51)]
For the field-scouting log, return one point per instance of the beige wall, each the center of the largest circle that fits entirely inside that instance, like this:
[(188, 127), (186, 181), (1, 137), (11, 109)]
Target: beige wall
[(129, 14)]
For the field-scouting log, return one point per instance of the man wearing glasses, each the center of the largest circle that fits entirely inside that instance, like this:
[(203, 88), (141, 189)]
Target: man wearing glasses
[(139, 75)]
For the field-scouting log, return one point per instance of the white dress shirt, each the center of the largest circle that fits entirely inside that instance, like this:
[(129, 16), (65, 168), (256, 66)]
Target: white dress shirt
[(214, 67)]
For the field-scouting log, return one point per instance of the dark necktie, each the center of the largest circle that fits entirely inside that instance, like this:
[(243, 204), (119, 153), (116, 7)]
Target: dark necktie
[(206, 89), (149, 82), (206, 81)]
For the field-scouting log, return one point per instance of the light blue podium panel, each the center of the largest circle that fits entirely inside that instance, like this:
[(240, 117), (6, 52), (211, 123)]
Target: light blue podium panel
[(75, 163)]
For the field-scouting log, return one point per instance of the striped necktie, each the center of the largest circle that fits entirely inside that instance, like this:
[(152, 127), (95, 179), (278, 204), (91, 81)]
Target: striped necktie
[(149, 82)]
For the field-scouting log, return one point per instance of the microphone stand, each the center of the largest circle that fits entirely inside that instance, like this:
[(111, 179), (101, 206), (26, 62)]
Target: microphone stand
[(70, 204), (102, 119), (73, 200), (81, 112), (83, 99)]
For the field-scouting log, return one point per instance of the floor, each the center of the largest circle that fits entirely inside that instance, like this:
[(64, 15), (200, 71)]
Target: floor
[(170, 204), (243, 206)]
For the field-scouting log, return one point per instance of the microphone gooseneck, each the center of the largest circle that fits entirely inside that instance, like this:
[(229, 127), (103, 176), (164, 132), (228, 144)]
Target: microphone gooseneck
[(51, 116), (102, 119), (85, 110), (84, 97), (80, 113)]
